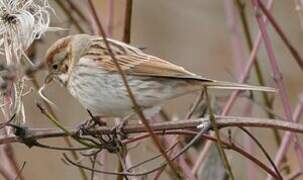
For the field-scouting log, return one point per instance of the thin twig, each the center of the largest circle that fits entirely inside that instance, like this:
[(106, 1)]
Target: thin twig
[(287, 136), (4, 173), (282, 35), (268, 103), (2, 125), (7, 150), (20, 170), (77, 10), (35, 83), (248, 37), (151, 159), (234, 33), (37, 144), (158, 174), (231, 146), (233, 97), (93, 167), (277, 75), (163, 164), (251, 171), (219, 141), (197, 102), (127, 21), (263, 150), (69, 15), (65, 130), (110, 22), (294, 175)]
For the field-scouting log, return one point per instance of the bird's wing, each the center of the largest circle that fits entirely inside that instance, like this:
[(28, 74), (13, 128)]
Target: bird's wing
[(135, 62)]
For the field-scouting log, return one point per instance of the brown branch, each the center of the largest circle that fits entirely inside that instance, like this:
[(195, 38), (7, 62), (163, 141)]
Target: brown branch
[(264, 152), (219, 141), (66, 11), (227, 145), (267, 101), (78, 11), (127, 21), (222, 122), (3, 125), (282, 35), (20, 171)]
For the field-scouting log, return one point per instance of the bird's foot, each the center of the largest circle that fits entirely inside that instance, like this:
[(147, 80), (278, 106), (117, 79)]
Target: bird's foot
[(118, 129), (95, 121)]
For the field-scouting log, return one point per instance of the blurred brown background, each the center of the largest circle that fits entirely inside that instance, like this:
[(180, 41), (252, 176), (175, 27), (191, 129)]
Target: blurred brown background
[(193, 34)]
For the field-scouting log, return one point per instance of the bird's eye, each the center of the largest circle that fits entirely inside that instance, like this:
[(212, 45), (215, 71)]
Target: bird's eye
[(55, 66)]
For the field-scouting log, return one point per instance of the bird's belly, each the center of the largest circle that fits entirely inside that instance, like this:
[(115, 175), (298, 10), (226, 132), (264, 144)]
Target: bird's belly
[(104, 93)]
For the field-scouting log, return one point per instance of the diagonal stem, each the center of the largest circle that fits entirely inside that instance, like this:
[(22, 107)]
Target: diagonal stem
[(248, 37), (282, 35), (298, 112), (70, 16), (66, 139), (219, 141), (277, 75), (127, 21), (243, 77)]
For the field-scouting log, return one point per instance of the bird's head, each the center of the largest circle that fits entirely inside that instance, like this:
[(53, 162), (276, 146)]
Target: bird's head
[(64, 54)]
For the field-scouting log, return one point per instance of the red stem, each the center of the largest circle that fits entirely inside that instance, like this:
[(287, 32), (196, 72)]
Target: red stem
[(282, 35), (288, 136), (111, 14), (228, 145), (233, 97), (236, 42), (277, 76), (249, 145)]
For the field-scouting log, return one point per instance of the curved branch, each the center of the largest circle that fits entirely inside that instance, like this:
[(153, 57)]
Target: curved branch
[(222, 122), (227, 145)]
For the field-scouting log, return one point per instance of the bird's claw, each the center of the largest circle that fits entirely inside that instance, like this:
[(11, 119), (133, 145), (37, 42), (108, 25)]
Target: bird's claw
[(118, 130), (89, 124)]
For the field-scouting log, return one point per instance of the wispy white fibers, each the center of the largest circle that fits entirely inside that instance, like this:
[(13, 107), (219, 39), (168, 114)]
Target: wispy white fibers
[(21, 22)]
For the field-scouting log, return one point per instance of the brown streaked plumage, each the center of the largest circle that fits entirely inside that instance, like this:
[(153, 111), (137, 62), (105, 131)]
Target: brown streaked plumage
[(83, 64), (56, 48)]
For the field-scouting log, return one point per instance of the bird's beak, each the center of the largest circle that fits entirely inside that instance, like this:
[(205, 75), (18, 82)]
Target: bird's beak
[(49, 78)]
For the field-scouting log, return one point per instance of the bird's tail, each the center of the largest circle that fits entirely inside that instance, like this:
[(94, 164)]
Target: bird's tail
[(236, 86)]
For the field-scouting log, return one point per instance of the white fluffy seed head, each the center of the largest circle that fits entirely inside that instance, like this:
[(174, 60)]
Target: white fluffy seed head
[(21, 22)]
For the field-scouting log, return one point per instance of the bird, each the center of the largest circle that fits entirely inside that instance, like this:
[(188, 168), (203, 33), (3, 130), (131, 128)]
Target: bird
[(83, 64)]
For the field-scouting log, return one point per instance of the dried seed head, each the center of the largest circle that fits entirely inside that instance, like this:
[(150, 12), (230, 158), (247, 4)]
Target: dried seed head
[(21, 22)]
